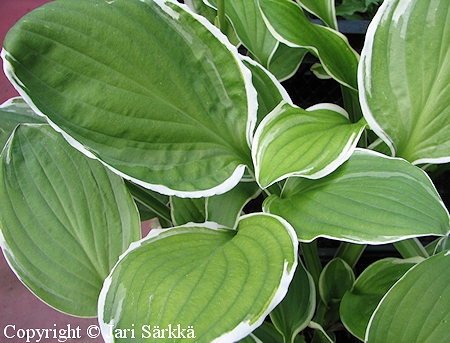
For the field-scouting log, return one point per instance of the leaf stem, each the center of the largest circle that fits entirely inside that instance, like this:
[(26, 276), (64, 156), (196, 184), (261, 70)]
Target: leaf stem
[(350, 252), (222, 21), (411, 248)]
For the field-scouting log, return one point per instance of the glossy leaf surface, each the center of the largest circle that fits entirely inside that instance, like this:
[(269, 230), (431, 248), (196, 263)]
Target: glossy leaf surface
[(220, 282), (65, 219), (404, 76), (323, 9), (416, 308), (310, 143), (88, 63), (370, 199)]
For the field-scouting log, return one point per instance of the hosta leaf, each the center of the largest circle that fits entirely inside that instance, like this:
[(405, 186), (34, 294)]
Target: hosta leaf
[(357, 306), (12, 113), (264, 333), (416, 308), (220, 282), (405, 91), (287, 22), (270, 91), (370, 199), (297, 308), (250, 28), (285, 61), (323, 9), (335, 280), (65, 219), (223, 209), (310, 143), (152, 90)]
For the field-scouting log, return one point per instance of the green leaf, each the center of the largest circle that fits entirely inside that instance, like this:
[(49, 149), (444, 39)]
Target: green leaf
[(12, 113), (264, 333), (65, 219), (404, 76), (322, 9), (416, 308), (297, 308), (371, 199), (358, 305), (250, 28), (287, 22), (310, 143), (223, 209), (336, 279), (115, 77), (270, 91), (219, 282), (285, 61)]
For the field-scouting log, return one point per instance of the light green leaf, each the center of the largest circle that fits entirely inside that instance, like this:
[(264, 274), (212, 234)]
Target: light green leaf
[(404, 79), (219, 282), (65, 219), (335, 280), (116, 77), (357, 306), (287, 22), (12, 113), (322, 9), (250, 28), (264, 333), (416, 308), (370, 199), (310, 143), (297, 308)]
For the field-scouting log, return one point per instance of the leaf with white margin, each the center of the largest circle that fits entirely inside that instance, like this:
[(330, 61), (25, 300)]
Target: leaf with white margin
[(151, 89), (289, 24), (404, 78), (358, 305), (296, 310), (12, 113), (311, 143), (285, 61), (370, 199), (65, 219), (270, 91), (220, 282), (416, 308), (325, 10), (250, 28)]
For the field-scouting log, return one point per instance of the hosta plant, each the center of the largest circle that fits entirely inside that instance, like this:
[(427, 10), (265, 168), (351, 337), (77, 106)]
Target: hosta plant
[(134, 110)]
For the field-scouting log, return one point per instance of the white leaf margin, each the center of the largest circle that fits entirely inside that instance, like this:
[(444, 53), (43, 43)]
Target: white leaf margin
[(345, 154), (245, 327), (252, 106)]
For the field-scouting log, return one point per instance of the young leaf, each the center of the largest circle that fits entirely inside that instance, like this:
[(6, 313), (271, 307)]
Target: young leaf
[(12, 113), (65, 219), (297, 308), (219, 282), (416, 308), (112, 75), (336, 279), (310, 143), (370, 199), (287, 22), (404, 76), (358, 305)]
